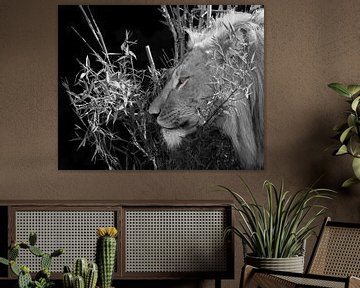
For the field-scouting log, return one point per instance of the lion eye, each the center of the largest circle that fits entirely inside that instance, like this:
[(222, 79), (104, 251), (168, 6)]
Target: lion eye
[(181, 82)]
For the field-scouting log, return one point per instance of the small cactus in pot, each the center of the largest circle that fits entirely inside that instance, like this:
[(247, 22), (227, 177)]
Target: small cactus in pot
[(85, 275), (106, 254)]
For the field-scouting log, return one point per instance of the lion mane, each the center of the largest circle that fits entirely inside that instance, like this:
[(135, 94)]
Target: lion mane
[(219, 82)]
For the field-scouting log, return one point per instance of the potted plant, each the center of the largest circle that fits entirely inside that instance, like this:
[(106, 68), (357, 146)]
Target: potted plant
[(348, 132), (42, 278), (275, 233)]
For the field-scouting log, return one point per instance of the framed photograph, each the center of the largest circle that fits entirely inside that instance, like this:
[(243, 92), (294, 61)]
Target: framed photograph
[(171, 87)]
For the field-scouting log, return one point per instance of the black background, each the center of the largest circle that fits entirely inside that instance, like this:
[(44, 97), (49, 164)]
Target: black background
[(144, 23)]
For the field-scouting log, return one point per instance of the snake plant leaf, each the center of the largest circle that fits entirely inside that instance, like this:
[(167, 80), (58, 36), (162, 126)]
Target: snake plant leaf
[(353, 89), (340, 89), (356, 167), (278, 228), (349, 182), (342, 150), (355, 103)]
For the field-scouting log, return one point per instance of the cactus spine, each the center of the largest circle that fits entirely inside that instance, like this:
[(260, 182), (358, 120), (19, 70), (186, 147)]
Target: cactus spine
[(106, 254)]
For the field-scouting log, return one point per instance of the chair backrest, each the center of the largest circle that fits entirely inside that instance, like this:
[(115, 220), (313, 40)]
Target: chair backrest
[(337, 251)]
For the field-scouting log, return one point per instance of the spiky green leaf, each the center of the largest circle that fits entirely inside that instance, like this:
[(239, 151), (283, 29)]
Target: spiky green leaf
[(280, 228)]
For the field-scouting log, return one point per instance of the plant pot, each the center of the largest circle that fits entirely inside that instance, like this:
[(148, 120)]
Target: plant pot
[(291, 264)]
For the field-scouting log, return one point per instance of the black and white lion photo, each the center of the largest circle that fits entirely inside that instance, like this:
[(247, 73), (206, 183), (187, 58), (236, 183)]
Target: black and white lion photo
[(171, 87)]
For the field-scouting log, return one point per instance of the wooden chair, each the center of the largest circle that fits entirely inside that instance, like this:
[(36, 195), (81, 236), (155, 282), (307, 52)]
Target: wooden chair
[(334, 263)]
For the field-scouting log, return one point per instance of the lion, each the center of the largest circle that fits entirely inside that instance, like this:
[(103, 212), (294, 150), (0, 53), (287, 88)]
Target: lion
[(219, 82)]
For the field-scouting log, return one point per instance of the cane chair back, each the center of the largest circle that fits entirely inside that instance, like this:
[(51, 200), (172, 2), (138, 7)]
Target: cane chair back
[(337, 252), (335, 262)]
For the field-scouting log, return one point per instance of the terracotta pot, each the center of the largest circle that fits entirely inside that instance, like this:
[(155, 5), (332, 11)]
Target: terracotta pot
[(291, 264)]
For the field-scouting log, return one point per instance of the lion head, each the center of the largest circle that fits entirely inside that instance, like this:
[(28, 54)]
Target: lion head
[(219, 82)]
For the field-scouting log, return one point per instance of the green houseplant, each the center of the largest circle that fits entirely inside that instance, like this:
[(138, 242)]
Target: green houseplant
[(279, 229), (348, 132)]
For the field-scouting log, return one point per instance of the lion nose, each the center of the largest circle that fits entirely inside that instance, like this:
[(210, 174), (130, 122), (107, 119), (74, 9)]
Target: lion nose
[(154, 108)]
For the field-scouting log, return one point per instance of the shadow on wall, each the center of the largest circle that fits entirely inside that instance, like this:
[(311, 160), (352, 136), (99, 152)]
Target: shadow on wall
[(314, 147), (333, 169)]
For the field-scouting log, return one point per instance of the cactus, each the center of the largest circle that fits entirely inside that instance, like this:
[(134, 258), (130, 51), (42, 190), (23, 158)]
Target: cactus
[(80, 267), (36, 251), (32, 238), (79, 282), (24, 246), (68, 280), (24, 278), (87, 272), (105, 254), (45, 261), (44, 273), (67, 269), (57, 252), (91, 276), (14, 268), (13, 253)]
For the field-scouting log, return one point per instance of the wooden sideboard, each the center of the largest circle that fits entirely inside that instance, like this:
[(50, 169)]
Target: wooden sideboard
[(157, 240)]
